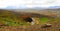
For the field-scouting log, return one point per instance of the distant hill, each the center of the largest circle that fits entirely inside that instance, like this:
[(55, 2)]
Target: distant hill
[(48, 12)]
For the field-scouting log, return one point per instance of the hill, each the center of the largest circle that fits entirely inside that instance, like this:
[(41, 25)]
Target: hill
[(13, 20), (48, 12), (9, 18)]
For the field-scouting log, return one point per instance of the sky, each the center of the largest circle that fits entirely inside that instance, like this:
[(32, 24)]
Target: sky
[(15, 4)]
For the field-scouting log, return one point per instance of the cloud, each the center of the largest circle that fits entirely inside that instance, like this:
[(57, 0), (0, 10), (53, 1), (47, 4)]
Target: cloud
[(16, 7), (28, 3)]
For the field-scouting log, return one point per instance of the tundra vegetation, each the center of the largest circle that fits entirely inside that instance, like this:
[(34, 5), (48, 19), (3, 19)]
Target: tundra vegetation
[(11, 18), (14, 19)]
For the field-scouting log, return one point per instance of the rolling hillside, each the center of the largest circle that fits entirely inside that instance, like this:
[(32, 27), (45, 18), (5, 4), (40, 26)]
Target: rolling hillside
[(13, 20), (9, 18), (48, 12)]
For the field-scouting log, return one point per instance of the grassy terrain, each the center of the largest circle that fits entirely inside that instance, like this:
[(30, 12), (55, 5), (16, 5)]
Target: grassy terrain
[(10, 19), (15, 23), (43, 20)]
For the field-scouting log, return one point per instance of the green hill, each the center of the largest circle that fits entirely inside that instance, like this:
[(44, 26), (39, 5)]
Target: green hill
[(10, 18)]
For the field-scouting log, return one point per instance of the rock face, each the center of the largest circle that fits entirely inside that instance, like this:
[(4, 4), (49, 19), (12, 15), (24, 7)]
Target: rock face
[(46, 25), (28, 19)]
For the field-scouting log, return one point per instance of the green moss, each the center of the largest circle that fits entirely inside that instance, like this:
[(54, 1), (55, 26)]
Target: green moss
[(43, 20)]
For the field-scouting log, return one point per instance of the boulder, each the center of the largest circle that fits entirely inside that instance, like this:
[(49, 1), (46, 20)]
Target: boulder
[(46, 25)]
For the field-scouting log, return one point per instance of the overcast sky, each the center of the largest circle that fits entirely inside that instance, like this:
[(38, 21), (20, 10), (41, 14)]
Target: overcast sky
[(28, 3)]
